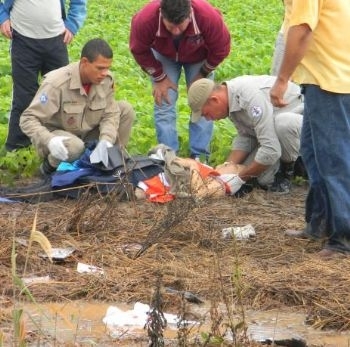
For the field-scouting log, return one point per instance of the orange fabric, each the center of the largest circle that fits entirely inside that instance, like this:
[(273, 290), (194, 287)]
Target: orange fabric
[(157, 191), (206, 171)]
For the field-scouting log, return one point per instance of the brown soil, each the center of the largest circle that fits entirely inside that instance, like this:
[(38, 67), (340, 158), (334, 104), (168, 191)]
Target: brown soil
[(145, 247)]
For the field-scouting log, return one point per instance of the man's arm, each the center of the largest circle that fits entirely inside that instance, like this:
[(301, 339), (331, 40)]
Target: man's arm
[(298, 39), (76, 15), (254, 169), (142, 34), (234, 161), (44, 105), (4, 12), (5, 23), (215, 34)]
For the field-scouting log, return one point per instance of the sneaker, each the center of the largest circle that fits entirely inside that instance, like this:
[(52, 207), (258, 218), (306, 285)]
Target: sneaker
[(46, 169)]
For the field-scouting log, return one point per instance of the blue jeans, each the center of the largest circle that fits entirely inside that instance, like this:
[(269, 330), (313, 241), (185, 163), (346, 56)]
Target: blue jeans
[(325, 143), (165, 115)]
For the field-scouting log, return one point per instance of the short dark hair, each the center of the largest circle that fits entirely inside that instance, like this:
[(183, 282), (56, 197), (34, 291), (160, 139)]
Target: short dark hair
[(95, 47), (175, 11)]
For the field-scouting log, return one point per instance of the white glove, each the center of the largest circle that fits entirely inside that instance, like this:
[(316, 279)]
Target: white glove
[(100, 153), (233, 181), (57, 147)]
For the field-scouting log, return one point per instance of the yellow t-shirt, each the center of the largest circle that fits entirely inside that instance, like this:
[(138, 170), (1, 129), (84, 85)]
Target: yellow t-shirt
[(327, 60), (287, 11)]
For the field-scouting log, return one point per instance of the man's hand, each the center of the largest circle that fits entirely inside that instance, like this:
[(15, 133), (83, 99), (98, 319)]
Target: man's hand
[(160, 90), (68, 37), (277, 92), (57, 147), (6, 29)]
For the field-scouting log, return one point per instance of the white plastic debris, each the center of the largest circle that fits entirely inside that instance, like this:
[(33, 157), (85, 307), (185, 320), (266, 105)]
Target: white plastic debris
[(22, 242), (59, 253), (240, 233), (135, 318), (36, 279), (86, 268)]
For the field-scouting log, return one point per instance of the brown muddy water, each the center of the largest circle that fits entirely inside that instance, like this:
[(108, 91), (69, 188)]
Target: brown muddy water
[(80, 323)]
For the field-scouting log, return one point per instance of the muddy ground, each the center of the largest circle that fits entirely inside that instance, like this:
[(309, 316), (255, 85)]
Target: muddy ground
[(146, 248)]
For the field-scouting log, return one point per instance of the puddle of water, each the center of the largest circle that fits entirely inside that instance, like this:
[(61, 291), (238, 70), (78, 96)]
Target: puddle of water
[(81, 322), (282, 325)]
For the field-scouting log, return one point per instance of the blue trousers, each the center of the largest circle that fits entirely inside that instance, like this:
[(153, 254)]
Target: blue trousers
[(30, 59), (165, 115), (325, 150)]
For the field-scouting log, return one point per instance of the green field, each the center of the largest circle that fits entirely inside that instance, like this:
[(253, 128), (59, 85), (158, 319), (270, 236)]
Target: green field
[(253, 26)]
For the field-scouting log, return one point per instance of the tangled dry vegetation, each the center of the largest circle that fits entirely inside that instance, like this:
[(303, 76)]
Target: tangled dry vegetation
[(145, 247)]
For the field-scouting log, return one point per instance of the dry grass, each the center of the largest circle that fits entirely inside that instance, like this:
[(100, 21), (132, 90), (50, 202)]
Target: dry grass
[(179, 243)]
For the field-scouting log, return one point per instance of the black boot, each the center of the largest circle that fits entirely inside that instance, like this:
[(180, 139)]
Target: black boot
[(283, 178), (287, 170), (46, 169), (299, 169)]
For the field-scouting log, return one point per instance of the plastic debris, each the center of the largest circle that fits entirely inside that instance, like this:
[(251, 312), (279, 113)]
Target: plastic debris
[(85, 268), (190, 297), (131, 248), (136, 318), (22, 242), (59, 254), (240, 233), (32, 280)]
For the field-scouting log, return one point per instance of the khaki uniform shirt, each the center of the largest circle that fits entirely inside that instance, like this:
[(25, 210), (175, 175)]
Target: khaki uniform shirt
[(252, 113), (61, 103)]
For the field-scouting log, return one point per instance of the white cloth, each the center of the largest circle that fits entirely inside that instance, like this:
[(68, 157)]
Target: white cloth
[(100, 153)]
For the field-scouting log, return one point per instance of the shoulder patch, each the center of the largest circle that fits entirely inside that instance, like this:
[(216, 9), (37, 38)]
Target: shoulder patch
[(43, 98), (256, 111)]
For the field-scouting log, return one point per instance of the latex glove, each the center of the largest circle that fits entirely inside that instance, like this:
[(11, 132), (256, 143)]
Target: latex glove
[(234, 182), (57, 147), (100, 153)]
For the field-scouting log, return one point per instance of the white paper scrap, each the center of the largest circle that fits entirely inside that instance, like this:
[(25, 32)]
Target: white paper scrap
[(85, 268)]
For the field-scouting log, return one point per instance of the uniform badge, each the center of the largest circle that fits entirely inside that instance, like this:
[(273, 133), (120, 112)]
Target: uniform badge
[(256, 111), (43, 98), (71, 121)]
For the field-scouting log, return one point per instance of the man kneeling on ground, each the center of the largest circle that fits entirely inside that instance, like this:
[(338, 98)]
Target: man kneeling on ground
[(75, 104), (268, 138)]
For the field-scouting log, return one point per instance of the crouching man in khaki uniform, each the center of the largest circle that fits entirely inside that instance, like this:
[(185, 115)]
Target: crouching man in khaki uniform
[(268, 138), (75, 104)]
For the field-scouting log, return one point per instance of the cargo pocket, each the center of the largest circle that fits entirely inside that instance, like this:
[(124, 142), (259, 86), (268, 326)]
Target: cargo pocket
[(94, 113), (72, 115)]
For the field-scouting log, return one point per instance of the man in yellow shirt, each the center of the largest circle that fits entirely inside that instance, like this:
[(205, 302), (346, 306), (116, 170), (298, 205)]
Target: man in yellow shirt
[(317, 56)]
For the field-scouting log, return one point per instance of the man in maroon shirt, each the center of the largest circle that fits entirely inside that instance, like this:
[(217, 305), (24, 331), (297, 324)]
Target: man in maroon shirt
[(166, 36)]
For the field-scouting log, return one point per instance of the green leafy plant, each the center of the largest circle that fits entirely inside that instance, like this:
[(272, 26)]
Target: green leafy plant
[(22, 163), (253, 27)]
